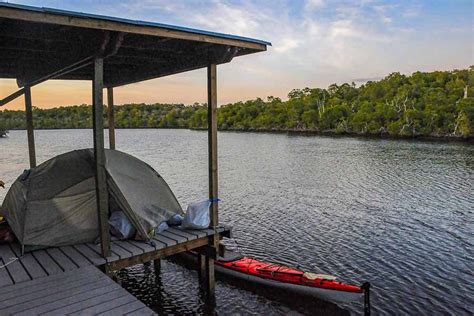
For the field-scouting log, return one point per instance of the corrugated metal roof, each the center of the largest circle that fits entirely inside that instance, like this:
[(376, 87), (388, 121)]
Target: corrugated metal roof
[(133, 22)]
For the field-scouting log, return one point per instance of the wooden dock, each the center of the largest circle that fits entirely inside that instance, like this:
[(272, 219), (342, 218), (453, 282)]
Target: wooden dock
[(70, 279), (83, 291)]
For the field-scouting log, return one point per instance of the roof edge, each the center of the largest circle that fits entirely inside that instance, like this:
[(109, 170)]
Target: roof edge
[(132, 22)]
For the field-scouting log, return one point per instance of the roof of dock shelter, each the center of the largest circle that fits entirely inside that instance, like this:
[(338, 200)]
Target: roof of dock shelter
[(36, 41)]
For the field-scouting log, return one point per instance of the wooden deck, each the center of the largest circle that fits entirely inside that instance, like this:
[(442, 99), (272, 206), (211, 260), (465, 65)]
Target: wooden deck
[(84, 291), (70, 275)]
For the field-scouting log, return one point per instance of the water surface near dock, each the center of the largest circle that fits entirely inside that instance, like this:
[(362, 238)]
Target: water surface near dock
[(396, 213)]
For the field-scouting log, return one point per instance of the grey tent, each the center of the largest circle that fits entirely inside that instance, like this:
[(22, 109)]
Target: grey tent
[(54, 204)]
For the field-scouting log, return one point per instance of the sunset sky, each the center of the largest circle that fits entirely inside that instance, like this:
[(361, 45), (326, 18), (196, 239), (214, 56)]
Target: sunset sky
[(315, 43)]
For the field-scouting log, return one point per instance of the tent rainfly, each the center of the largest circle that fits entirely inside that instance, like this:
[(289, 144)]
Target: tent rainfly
[(55, 203)]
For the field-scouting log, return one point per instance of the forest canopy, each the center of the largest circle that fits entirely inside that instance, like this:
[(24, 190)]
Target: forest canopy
[(437, 104)]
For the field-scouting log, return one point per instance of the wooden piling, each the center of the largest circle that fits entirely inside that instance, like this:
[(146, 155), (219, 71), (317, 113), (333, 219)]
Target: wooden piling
[(99, 154), (111, 117), (213, 180), (30, 127), (157, 266)]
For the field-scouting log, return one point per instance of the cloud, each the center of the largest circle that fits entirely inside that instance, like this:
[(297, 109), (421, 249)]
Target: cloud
[(315, 42), (313, 4)]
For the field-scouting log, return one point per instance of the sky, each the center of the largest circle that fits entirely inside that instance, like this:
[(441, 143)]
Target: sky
[(314, 43)]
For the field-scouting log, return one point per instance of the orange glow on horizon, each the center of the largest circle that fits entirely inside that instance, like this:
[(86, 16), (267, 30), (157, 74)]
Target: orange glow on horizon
[(186, 88)]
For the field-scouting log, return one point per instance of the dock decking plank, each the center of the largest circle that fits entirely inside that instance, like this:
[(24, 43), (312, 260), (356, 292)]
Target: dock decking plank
[(183, 233), (81, 291), (84, 302), (197, 232), (120, 251), (140, 312), (37, 288), (61, 259), (178, 238), (49, 281), (33, 268), (105, 306), (15, 268), (49, 298), (46, 295), (145, 246), (4, 276), (121, 310), (90, 254), (47, 262), (75, 303), (75, 256), (96, 249), (165, 240), (134, 250)]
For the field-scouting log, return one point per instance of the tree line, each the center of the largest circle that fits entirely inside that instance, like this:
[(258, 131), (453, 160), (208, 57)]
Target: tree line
[(435, 104)]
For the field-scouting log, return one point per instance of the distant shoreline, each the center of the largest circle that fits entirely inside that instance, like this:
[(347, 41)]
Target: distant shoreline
[(295, 132)]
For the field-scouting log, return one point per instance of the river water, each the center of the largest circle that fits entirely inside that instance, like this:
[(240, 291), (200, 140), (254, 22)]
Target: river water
[(399, 214)]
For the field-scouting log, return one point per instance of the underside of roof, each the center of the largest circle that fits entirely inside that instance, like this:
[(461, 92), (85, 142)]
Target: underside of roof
[(36, 42)]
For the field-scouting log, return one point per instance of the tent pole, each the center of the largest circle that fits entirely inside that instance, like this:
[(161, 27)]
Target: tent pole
[(99, 155), (213, 191), (111, 117), (30, 127)]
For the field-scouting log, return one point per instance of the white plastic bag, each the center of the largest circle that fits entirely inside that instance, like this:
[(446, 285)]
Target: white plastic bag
[(197, 215)]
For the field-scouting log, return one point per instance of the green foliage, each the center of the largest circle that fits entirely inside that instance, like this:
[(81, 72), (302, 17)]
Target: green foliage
[(439, 103)]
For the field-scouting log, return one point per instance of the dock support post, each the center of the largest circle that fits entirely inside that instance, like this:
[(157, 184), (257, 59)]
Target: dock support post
[(213, 191), (30, 127), (99, 155), (111, 117), (157, 266), (202, 269)]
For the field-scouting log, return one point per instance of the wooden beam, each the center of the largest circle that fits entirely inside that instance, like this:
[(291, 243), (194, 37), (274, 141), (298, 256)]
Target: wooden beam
[(99, 155), (30, 127), (12, 97), (159, 253), (101, 24), (111, 117), (68, 69)]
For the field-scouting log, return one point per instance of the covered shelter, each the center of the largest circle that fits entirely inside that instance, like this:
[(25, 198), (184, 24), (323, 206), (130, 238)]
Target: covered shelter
[(38, 44)]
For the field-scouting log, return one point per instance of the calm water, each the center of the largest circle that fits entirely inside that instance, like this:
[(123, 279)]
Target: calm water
[(396, 213)]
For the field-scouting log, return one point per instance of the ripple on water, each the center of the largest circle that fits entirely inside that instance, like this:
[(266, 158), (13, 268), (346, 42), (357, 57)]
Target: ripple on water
[(395, 213)]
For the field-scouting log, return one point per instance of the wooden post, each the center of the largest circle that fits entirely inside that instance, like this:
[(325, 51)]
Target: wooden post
[(157, 266), (99, 155), (30, 127), (212, 139), (202, 269), (213, 192), (111, 117)]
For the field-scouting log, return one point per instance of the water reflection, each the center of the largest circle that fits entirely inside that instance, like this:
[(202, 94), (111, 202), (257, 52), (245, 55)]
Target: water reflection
[(395, 213)]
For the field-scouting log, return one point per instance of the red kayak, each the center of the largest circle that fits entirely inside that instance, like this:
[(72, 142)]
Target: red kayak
[(321, 286)]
